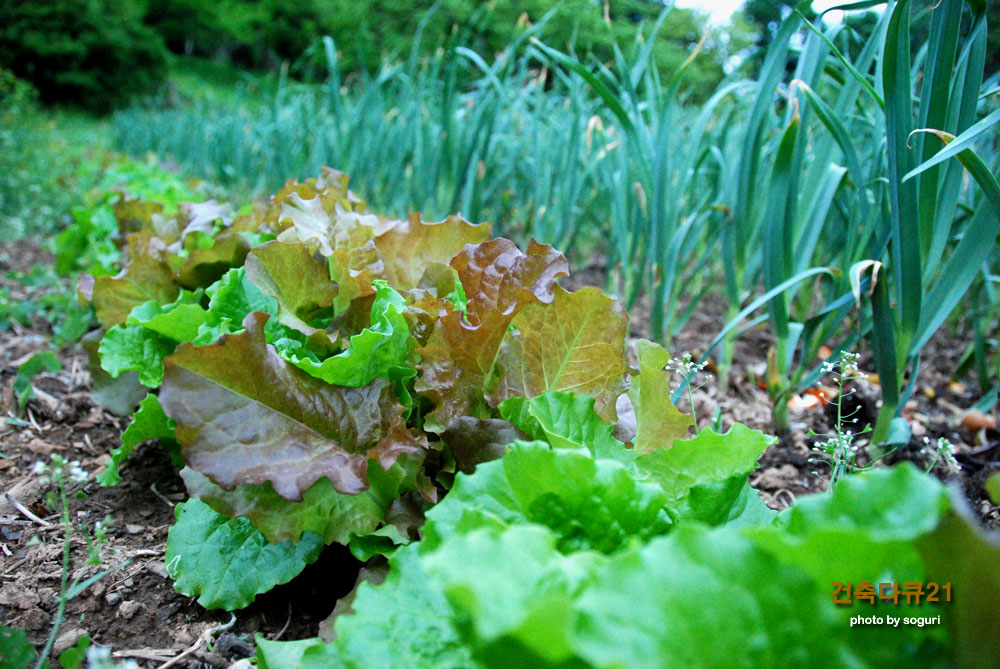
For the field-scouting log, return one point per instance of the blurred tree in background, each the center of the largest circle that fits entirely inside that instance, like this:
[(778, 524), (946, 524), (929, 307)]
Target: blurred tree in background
[(91, 53), (264, 33)]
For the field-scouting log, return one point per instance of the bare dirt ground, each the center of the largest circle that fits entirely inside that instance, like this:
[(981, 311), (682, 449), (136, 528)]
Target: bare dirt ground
[(135, 610)]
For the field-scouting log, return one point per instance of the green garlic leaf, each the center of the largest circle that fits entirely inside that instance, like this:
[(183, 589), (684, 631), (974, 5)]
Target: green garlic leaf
[(226, 562)]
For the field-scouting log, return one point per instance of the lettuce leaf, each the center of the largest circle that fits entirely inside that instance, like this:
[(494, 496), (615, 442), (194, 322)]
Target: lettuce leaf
[(576, 343), (149, 422), (226, 562), (379, 351), (244, 415)]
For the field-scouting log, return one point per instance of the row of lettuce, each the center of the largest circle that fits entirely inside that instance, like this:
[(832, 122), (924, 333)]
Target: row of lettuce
[(428, 393)]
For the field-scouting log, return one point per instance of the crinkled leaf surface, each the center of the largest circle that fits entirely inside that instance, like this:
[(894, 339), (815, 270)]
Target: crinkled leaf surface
[(732, 503), (150, 333), (244, 415), (458, 359), (354, 264), (149, 422), (658, 421), (519, 611), (576, 343), (226, 562), (588, 504), (323, 510), (135, 348), (375, 352), (709, 457), (299, 283), (332, 515), (410, 247), (234, 296), (146, 277), (864, 530), (457, 362), (566, 420), (702, 598), (498, 277)]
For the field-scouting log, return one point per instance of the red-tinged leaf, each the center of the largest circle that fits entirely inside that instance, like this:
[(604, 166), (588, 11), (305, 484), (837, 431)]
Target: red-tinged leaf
[(353, 265), (203, 267), (474, 440), (499, 278), (291, 275), (203, 216), (135, 214), (456, 364), (244, 415), (413, 246), (575, 344), (323, 214), (331, 184), (146, 277), (424, 313)]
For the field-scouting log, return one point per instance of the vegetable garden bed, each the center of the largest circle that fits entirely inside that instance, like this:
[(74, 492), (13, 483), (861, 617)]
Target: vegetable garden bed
[(337, 388)]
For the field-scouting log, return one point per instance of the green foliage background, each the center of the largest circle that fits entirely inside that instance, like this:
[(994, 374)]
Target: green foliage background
[(96, 54)]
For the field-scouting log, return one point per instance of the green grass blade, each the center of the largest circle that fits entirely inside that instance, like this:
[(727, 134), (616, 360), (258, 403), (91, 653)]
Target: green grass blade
[(957, 144), (763, 300), (904, 213)]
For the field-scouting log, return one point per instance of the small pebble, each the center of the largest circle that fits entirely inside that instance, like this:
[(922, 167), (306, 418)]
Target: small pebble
[(129, 608), (67, 639), (158, 568), (112, 598)]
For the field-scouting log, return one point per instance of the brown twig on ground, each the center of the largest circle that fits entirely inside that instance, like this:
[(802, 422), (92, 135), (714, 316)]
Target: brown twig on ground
[(202, 641), (24, 511), (152, 486)]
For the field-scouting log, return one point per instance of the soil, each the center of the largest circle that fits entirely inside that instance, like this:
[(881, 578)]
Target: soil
[(135, 611)]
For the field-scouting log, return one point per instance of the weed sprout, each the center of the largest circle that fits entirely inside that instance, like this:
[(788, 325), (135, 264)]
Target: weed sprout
[(62, 474), (943, 452), (839, 449), (689, 370)]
